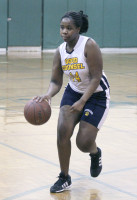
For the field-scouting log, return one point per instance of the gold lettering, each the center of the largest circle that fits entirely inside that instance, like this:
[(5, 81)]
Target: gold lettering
[(64, 67), (72, 66), (77, 77), (71, 60), (69, 67), (82, 67), (75, 66), (78, 66), (75, 60)]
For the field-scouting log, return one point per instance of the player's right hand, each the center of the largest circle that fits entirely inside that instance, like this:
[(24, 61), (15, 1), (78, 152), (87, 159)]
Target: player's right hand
[(42, 98)]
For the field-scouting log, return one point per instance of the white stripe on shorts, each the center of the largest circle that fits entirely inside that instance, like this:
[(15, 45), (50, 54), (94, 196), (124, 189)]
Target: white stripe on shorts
[(106, 111)]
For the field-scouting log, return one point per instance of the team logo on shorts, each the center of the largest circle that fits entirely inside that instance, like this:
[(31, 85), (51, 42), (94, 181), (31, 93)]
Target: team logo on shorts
[(87, 112)]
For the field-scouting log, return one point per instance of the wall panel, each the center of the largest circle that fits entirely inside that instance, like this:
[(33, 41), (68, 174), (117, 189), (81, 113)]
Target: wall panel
[(94, 9), (112, 9), (129, 23), (112, 23), (25, 25), (76, 5), (53, 11), (3, 23)]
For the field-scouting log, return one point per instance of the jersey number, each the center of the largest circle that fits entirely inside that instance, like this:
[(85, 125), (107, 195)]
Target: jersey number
[(75, 77)]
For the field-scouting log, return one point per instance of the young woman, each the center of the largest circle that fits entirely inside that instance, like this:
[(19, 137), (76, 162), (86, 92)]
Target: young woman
[(86, 97)]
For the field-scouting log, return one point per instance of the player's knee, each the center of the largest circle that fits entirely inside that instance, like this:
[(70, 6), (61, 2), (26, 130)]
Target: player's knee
[(84, 144), (63, 134)]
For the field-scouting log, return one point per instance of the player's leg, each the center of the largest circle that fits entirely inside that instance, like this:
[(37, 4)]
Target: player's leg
[(86, 143), (66, 124), (94, 115), (86, 137)]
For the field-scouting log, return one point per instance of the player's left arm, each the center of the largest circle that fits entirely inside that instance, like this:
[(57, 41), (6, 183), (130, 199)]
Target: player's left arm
[(95, 64)]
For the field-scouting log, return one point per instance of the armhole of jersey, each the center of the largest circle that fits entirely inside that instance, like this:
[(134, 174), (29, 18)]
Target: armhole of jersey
[(89, 38), (60, 49), (85, 47)]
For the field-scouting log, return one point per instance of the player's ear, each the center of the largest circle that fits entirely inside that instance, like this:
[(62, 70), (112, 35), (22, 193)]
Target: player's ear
[(78, 29)]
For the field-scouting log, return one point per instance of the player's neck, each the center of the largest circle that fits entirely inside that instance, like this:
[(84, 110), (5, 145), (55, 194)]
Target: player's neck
[(70, 45)]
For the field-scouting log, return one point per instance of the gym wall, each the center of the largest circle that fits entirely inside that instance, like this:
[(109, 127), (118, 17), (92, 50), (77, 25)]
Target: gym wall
[(112, 23), (3, 24)]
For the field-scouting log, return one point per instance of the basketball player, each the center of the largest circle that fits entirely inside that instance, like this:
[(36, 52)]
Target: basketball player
[(86, 97)]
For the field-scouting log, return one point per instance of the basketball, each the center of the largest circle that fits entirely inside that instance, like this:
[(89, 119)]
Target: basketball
[(37, 113)]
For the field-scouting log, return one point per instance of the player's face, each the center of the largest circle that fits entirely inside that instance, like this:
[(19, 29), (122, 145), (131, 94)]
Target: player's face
[(68, 30)]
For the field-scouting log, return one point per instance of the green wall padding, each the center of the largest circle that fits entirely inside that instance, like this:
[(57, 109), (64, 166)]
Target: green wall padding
[(129, 23), (25, 26), (94, 11), (53, 11), (112, 23), (3, 23)]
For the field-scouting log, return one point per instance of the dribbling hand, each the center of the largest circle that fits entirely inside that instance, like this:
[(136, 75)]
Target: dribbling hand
[(42, 98)]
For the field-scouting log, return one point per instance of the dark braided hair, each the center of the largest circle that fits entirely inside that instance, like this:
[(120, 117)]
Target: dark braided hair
[(80, 20)]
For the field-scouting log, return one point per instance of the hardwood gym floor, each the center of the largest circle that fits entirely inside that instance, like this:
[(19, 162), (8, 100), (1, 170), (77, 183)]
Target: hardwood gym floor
[(28, 154)]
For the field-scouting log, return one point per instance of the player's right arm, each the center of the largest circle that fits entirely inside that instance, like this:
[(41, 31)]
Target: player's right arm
[(56, 79)]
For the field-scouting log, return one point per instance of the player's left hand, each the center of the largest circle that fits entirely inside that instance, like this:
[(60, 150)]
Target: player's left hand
[(77, 106)]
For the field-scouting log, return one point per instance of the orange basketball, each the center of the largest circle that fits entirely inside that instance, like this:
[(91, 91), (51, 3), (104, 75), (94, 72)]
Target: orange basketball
[(37, 113)]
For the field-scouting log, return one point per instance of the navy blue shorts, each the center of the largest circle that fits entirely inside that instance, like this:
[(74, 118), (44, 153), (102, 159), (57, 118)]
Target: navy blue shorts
[(96, 108)]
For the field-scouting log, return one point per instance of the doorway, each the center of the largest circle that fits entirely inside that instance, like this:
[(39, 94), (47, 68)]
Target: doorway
[(25, 24)]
